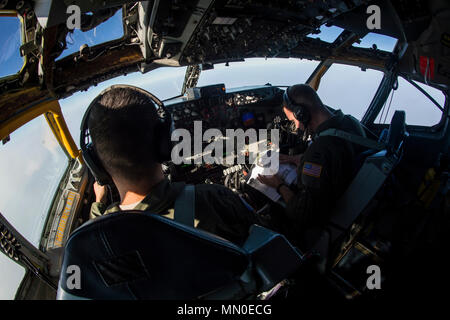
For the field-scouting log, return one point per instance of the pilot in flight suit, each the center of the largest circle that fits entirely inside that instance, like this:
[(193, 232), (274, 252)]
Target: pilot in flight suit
[(128, 143), (325, 170)]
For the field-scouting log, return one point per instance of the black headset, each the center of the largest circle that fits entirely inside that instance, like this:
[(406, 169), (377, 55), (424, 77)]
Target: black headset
[(301, 112), (163, 141)]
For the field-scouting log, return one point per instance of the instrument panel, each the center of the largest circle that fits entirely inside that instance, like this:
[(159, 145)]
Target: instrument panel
[(245, 107), (238, 108)]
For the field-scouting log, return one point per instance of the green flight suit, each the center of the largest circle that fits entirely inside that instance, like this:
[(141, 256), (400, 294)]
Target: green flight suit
[(325, 171), (218, 209)]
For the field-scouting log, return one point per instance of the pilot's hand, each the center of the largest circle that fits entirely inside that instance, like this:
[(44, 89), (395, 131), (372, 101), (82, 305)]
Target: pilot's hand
[(100, 193), (271, 181), (295, 160)]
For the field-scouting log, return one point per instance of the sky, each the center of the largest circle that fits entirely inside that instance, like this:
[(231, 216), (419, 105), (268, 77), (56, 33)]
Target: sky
[(32, 163), (10, 38)]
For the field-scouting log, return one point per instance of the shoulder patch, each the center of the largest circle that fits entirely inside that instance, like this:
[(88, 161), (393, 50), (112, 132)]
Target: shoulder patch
[(312, 169)]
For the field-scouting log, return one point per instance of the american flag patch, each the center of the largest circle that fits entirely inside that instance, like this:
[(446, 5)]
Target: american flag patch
[(312, 169)]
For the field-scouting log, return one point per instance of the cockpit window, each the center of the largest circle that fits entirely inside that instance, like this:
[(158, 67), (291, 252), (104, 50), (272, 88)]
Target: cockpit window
[(259, 71), (10, 40), (327, 34), (10, 277), (349, 88), (31, 166), (419, 109), (167, 82), (382, 42), (109, 30)]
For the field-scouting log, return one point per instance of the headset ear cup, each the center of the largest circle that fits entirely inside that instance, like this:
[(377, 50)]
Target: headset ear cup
[(302, 115), (163, 140), (301, 112), (90, 156), (298, 114), (93, 163)]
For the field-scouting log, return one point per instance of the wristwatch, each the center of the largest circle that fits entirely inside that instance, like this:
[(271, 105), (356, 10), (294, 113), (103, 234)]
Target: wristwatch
[(279, 187)]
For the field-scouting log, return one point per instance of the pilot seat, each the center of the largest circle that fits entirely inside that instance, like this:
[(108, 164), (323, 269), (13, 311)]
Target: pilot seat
[(141, 255), (376, 165)]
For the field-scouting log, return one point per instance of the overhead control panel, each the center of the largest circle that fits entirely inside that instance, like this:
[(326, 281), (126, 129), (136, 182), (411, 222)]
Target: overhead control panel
[(236, 29)]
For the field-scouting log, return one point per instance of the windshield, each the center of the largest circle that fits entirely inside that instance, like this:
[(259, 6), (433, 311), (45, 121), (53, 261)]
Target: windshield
[(259, 71), (10, 39), (31, 166), (420, 110), (167, 82), (349, 88)]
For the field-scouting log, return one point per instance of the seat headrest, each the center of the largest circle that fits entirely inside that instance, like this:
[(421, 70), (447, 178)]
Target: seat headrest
[(397, 131), (140, 255)]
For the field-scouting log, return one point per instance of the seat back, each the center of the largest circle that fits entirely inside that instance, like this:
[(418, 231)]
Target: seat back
[(140, 255), (363, 188), (397, 132)]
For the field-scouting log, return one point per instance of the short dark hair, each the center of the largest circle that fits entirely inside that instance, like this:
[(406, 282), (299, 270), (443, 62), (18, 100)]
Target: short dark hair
[(122, 126), (305, 95)]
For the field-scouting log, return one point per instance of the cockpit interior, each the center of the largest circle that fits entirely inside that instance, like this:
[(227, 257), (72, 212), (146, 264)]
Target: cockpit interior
[(394, 214)]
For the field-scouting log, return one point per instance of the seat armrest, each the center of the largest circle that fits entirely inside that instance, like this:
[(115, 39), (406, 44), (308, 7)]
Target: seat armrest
[(273, 256)]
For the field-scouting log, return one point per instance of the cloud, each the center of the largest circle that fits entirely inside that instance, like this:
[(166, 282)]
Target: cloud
[(48, 140), (31, 167)]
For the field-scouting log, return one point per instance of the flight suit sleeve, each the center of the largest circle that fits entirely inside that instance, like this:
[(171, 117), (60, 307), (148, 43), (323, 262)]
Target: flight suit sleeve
[(222, 212), (97, 210), (306, 208)]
